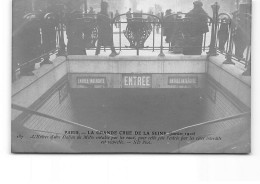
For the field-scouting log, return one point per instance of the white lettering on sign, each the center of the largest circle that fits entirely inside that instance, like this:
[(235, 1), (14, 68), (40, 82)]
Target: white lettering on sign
[(138, 81), (182, 80), (91, 81)]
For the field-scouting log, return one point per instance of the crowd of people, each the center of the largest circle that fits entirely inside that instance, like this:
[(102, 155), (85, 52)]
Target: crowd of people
[(34, 38), (184, 32)]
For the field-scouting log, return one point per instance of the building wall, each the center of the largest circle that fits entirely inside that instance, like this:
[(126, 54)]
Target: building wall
[(233, 135), (230, 78), (218, 103), (57, 105), (28, 90), (46, 92)]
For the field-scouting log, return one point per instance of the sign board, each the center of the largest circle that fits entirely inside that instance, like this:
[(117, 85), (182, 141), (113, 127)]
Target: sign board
[(137, 80), (183, 81), (92, 82)]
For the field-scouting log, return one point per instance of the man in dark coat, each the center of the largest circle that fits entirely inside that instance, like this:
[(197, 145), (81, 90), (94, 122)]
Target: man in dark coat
[(223, 33), (129, 15), (196, 26), (168, 23), (242, 30), (49, 34), (75, 28), (105, 30), (28, 44), (176, 34)]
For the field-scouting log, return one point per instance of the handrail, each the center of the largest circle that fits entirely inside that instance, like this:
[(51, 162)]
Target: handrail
[(39, 57), (211, 122), (159, 21), (29, 111)]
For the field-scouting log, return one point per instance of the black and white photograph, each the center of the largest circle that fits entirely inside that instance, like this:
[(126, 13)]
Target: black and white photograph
[(131, 76)]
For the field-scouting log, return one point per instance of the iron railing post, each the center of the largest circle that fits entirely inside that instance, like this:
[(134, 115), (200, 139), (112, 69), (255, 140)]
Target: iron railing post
[(230, 46), (162, 32), (112, 24), (213, 50), (153, 34), (120, 35)]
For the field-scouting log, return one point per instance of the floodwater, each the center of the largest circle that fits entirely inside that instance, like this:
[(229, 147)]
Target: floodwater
[(145, 110), (137, 109)]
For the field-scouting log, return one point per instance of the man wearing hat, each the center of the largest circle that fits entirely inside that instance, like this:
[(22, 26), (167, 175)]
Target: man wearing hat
[(105, 31), (28, 43), (196, 26), (49, 25), (241, 23), (168, 24)]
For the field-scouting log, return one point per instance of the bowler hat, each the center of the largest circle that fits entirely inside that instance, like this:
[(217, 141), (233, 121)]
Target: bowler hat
[(198, 3)]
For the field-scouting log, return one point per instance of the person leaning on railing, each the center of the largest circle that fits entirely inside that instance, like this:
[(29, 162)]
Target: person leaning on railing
[(48, 27), (105, 30), (196, 25), (27, 44)]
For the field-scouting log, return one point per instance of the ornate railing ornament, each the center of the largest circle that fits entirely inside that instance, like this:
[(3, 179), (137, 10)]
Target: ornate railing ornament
[(137, 32)]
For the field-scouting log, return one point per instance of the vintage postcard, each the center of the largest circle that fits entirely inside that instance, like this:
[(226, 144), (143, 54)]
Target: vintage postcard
[(131, 76)]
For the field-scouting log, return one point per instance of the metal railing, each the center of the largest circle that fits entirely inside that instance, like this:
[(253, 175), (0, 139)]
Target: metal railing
[(231, 36), (139, 30)]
